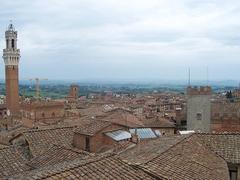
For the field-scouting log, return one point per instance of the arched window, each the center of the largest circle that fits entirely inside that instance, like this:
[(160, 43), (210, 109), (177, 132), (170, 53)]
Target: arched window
[(7, 45), (53, 114), (13, 43), (43, 115)]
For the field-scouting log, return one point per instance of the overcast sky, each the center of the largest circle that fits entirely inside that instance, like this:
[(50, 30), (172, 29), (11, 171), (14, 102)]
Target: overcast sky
[(125, 39)]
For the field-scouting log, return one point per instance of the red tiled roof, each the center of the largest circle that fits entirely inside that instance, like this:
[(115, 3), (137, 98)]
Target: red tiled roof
[(188, 159), (99, 167), (159, 123), (11, 162), (93, 128), (149, 149), (122, 117), (226, 145), (57, 154), (40, 140)]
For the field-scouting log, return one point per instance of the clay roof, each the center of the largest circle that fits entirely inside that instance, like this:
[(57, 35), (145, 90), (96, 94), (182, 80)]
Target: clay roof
[(99, 167), (41, 104), (57, 154), (3, 146), (188, 160), (93, 128), (39, 140), (149, 149), (3, 106), (122, 117), (158, 123), (226, 145), (11, 162)]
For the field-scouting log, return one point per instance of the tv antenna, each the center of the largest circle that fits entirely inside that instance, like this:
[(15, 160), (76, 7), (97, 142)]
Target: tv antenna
[(207, 77), (189, 77)]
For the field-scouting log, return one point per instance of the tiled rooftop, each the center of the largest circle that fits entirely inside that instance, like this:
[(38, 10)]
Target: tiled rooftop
[(99, 167), (93, 128), (3, 146), (57, 154), (122, 117), (159, 123), (148, 149), (11, 162), (188, 160), (40, 140), (226, 145)]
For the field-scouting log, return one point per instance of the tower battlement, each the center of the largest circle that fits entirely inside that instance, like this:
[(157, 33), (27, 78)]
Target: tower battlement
[(202, 90)]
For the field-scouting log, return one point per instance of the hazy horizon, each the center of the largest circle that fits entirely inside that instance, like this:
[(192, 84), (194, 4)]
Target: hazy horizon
[(147, 40)]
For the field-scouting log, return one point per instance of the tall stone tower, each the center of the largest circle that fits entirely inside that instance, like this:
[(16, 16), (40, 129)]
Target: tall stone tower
[(74, 89), (11, 56), (199, 108)]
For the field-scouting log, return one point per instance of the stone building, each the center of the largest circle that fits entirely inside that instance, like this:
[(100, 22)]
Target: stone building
[(71, 99), (11, 56), (42, 112), (199, 108), (74, 91)]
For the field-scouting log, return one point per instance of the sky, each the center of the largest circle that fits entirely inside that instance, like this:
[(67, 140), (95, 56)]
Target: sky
[(133, 40)]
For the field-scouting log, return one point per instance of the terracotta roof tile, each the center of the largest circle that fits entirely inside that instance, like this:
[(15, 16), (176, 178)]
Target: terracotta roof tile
[(57, 154), (99, 167), (148, 149), (122, 117), (40, 140), (226, 145), (11, 162), (158, 123), (93, 128), (188, 159)]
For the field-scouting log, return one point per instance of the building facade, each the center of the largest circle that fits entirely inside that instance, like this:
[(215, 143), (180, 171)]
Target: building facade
[(11, 56), (42, 113)]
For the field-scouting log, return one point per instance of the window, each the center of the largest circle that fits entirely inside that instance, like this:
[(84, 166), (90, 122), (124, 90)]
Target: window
[(233, 175), (7, 43), (53, 114), (87, 145), (199, 116), (13, 43), (43, 115)]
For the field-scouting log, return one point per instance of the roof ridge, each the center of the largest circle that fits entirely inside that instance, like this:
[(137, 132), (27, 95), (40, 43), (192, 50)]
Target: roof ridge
[(72, 149), (72, 164), (52, 128)]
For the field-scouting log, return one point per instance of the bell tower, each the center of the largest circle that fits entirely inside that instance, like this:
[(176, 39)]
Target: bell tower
[(11, 56)]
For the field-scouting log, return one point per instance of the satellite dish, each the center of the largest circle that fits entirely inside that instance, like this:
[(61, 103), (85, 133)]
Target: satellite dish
[(8, 112)]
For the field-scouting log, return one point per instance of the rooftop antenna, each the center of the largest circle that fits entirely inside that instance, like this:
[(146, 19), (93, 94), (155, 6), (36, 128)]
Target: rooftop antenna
[(189, 77), (207, 77)]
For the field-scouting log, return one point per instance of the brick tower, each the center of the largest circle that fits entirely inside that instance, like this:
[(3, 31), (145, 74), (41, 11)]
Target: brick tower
[(11, 56), (74, 89)]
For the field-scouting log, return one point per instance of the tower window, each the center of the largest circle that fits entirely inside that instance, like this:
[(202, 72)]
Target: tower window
[(12, 43), (7, 43), (87, 144), (199, 116)]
